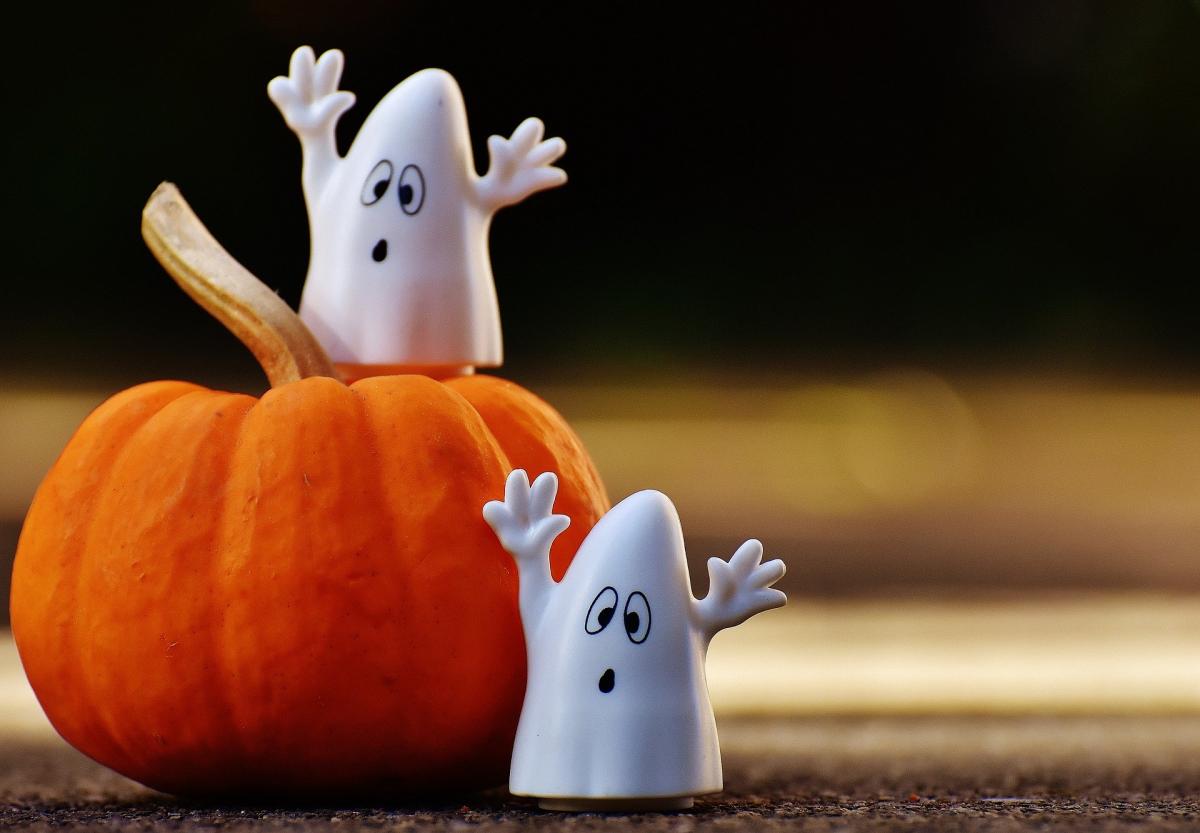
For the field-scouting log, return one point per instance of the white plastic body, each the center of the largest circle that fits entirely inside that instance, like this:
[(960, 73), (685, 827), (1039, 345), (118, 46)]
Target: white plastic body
[(399, 271), (616, 712)]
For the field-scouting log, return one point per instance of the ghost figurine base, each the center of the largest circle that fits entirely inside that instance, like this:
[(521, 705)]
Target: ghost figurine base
[(616, 714), (351, 373), (617, 805)]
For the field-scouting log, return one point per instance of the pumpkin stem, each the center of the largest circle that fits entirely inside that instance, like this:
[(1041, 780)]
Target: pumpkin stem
[(283, 345)]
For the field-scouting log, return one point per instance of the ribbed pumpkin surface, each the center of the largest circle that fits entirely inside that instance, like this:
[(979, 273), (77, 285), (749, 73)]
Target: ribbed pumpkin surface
[(217, 594)]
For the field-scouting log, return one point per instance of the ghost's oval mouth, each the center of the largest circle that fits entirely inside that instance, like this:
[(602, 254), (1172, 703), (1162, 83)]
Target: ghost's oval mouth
[(607, 680), (379, 252)]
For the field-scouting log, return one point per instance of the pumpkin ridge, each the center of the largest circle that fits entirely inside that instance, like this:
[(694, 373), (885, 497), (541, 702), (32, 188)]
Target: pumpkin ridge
[(92, 731), (107, 713), (222, 670), (425, 480), (32, 623), (195, 590), (374, 450), (293, 622), (234, 552)]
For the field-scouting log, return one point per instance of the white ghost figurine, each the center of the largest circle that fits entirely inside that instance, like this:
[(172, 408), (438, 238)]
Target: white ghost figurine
[(616, 712), (399, 272)]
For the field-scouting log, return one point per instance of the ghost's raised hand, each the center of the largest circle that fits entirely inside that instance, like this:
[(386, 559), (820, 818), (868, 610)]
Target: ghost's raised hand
[(523, 521), (526, 527), (738, 589), (520, 165), (311, 105), (308, 96)]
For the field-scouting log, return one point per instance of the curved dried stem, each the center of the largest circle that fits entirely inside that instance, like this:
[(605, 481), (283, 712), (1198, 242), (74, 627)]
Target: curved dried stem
[(283, 345)]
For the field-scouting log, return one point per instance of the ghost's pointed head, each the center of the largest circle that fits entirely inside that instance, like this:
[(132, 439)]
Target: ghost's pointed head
[(626, 599), (639, 540), (399, 271), (409, 168)]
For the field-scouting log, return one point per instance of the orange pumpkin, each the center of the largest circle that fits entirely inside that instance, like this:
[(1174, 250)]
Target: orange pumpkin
[(220, 594)]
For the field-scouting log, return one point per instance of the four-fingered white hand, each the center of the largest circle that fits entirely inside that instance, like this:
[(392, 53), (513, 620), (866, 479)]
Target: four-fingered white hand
[(308, 96), (526, 527), (739, 588), (520, 166), (523, 521), (311, 105)]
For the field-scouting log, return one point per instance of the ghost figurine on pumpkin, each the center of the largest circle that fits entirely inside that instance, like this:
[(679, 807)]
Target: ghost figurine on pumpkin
[(616, 713), (399, 272)]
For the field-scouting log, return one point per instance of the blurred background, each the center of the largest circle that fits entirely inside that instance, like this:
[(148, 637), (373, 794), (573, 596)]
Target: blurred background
[(906, 290)]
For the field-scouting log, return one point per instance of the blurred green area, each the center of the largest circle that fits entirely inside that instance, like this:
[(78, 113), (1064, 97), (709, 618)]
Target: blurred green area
[(767, 187)]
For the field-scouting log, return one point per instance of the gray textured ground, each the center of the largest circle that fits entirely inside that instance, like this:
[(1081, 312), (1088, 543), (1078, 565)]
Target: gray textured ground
[(994, 774)]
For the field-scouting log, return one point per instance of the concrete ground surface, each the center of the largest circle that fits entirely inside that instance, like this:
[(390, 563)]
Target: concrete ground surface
[(822, 774)]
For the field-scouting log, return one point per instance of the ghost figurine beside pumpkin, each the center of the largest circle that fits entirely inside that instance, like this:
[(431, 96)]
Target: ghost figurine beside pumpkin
[(616, 713), (216, 593), (399, 272)]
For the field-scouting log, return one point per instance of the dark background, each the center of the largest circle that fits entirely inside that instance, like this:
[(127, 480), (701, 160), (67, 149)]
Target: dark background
[(778, 187)]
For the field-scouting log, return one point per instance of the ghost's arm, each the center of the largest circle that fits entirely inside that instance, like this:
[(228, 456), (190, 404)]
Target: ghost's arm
[(311, 105), (738, 589), (526, 528), (519, 166)]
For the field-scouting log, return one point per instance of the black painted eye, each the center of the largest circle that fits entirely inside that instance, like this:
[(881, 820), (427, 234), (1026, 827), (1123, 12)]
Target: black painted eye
[(637, 617), (377, 182), (411, 189), (602, 610)]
